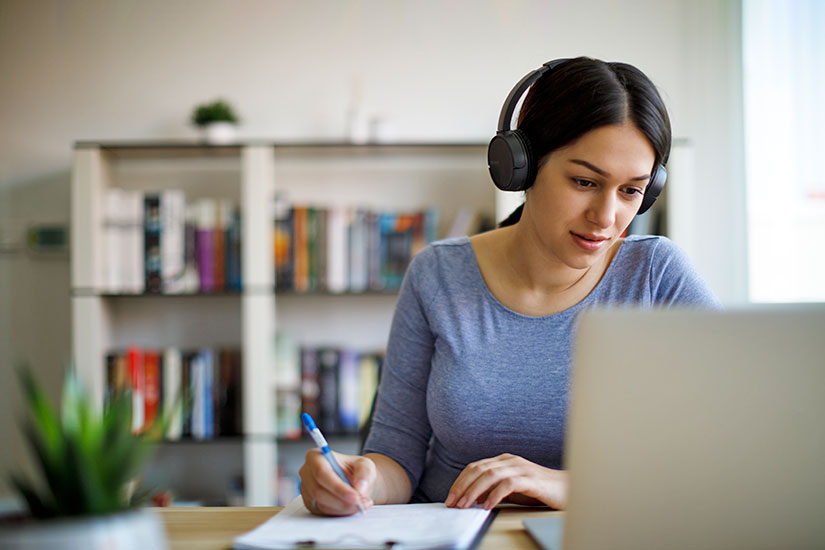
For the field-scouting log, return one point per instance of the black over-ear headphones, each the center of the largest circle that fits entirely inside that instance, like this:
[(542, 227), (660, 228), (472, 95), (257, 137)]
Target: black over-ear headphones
[(511, 160)]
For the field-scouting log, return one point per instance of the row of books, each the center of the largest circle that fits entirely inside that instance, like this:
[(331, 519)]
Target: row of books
[(335, 385), (198, 391), (156, 242), (346, 249)]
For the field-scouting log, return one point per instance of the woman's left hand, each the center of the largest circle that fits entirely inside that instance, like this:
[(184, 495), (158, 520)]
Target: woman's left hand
[(508, 478)]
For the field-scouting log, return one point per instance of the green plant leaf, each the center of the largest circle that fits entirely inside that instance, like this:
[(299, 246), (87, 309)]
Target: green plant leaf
[(39, 506), (43, 414), (85, 459)]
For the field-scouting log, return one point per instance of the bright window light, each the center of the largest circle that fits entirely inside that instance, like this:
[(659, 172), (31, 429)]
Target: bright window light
[(784, 96)]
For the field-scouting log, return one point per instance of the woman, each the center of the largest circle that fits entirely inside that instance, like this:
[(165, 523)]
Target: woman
[(473, 396)]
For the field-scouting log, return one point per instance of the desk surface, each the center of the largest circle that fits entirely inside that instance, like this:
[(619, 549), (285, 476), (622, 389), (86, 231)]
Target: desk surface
[(215, 528)]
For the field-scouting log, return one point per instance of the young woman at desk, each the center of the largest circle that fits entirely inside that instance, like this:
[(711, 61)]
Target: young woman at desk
[(473, 396)]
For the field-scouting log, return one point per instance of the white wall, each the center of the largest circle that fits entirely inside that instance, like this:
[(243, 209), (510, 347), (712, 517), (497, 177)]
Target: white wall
[(435, 70)]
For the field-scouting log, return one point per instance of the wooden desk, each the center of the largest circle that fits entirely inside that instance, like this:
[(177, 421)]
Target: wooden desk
[(215, 528)]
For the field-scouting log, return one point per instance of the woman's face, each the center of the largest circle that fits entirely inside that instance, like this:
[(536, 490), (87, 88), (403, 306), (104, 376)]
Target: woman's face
[(586, 193)]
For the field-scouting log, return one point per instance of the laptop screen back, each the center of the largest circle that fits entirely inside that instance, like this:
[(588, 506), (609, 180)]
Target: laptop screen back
[(693, 429)]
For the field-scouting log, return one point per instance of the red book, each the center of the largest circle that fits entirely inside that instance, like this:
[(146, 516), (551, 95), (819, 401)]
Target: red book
[(151, 397), (134, 364)]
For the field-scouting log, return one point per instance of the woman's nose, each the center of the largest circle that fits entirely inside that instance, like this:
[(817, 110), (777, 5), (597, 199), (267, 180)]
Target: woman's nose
[(602, 210)]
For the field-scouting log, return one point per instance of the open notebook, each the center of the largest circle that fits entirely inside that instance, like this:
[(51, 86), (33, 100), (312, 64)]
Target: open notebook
[(396, 526)]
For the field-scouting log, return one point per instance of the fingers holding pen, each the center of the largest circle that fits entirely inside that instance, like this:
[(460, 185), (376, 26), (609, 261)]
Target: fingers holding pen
[(325, 493)]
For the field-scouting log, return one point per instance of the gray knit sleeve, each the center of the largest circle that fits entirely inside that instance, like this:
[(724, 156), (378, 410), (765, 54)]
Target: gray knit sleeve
[(400, 428)]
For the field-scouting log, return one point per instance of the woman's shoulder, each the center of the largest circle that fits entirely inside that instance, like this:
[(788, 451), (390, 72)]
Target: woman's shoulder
[(667, 269), (451, 250), (442, 259), (653, 248)]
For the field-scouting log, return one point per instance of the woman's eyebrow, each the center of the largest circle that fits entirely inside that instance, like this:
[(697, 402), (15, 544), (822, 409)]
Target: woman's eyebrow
[(602, 173)]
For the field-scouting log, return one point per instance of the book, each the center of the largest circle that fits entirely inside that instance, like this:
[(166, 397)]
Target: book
[(310, 383), (152, 385), (420, 526), (134, 365), (172, 240), (228, 393), (312, 248), (114, 239), (337, 265), (151, 243), (358, 260), (300, 233), (133, 248), (368, 376), (117, 376), (223, 218), (205, 243), (233, 251), (348, 391), (197, 390), (172, 399), (191, 279), (283, 239), (288, 383), (328, 409)]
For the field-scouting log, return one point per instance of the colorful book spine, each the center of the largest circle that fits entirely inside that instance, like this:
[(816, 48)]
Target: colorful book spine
[(151, 243), (337, 266), (208, 389), (348, 394), (312, 248), (283, 240), (205, 237), (233, 251), (134, 250), (172, 388), (173, 240), (196, 379), (153, 381), (300, 231), (328, 408), (117, 376), (134, 363), (310, 383)]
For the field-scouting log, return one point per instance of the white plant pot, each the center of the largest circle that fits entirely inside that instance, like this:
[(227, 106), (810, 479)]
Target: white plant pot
[(220, 133), (133, 530)]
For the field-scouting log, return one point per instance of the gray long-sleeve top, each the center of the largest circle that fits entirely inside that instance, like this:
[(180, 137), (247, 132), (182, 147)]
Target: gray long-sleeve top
[(466, 378)]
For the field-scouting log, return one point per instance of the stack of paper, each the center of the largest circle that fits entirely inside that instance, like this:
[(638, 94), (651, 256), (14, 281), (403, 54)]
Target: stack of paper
[(413, 526)]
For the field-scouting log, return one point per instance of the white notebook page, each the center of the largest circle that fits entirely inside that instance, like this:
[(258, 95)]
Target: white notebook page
[(413, 526)]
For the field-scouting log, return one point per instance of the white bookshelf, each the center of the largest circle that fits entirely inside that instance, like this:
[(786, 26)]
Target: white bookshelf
[(393, 177)]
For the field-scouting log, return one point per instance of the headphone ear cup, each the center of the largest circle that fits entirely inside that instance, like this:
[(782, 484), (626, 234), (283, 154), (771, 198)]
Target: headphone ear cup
[(654, 188), (510, 160)]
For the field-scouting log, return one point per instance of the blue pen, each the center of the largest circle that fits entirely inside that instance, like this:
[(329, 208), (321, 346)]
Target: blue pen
[(322, 444)]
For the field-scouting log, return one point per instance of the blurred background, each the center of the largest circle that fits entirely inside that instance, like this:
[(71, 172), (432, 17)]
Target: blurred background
[(743, 81)]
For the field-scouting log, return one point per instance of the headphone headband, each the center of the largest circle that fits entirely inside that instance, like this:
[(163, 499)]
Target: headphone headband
[(505, 119)]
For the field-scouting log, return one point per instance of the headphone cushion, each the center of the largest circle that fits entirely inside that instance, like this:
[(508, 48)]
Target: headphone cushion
[(510, 160), (654, 189)]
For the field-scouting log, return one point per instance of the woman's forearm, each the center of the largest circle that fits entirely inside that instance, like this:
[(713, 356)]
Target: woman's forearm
[(392, 485)]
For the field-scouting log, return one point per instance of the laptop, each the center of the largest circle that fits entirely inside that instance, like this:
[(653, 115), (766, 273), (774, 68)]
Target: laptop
[(692, 429)]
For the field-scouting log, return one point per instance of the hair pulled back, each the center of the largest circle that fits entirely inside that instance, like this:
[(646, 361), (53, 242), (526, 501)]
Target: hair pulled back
[(583, 94)]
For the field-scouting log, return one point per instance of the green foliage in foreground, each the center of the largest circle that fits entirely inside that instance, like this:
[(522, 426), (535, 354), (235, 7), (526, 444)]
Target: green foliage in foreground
[(85, 460)]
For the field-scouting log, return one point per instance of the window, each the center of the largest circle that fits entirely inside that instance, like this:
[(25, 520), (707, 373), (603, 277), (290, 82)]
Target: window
[(784, 98)]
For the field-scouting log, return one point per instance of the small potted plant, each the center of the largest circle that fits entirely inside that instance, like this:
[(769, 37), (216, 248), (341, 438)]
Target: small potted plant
[(86, 463), (217, 121)]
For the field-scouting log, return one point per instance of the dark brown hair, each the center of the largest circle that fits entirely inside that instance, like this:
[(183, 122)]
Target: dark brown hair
[(583, 94)]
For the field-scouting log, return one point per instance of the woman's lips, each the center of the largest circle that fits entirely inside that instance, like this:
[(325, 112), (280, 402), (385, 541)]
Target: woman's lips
[(589, 241)]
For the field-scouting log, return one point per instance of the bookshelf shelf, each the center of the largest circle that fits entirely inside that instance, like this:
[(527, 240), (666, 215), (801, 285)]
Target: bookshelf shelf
[(400, 177)]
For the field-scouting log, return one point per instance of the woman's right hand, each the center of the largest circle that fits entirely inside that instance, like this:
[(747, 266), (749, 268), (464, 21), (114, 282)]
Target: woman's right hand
[(324, 493)]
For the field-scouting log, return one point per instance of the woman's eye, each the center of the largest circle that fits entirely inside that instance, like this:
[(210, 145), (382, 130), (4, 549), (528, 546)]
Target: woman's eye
[(632, 191), (583, 183)]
